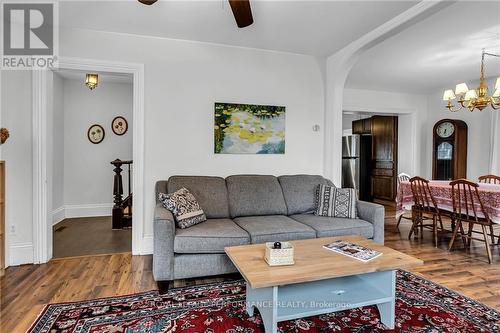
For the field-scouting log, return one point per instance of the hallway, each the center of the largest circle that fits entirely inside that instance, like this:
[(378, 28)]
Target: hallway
[(89, 236)]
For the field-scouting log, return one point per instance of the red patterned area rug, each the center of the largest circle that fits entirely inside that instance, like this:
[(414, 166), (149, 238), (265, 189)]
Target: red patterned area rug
[(422, 306)]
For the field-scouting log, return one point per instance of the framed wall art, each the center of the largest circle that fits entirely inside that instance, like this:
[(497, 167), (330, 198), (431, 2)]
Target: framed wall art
[(249, 129), (96, 133), (119, 125)]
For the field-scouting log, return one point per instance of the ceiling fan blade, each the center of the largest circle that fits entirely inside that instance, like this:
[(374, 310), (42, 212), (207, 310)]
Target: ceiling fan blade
[(147, 2), (242, 12)]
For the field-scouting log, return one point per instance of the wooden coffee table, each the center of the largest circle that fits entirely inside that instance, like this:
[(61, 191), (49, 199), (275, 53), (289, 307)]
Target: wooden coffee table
[(321, 281)]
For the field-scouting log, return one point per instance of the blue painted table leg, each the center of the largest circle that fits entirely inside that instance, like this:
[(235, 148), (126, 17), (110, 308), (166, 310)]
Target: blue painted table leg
[(388, 310), (266, 300)]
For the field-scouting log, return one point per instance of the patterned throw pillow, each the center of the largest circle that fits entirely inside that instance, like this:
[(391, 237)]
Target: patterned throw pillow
[(184, 206), (335, 202)]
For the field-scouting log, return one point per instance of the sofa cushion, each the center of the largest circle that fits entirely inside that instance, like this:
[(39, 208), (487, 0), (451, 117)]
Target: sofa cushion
[(251, 195), (210, 236), (300, 192), (335, 226), (210, 192), (274, 228), (336, 202), (184, 206)]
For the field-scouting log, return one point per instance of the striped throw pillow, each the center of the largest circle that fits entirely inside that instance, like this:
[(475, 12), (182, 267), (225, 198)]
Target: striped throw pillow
[(335, 202)]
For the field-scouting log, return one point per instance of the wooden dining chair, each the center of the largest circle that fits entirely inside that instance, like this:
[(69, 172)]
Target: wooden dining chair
[(468, 208), (402, 177), (424, 205), (490, 179)]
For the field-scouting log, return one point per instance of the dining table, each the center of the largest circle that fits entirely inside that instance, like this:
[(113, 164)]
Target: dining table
[(442, 192)]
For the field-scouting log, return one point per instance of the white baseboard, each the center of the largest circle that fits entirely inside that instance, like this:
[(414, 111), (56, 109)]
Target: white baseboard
[(147, 245), (72, 211), (20, 253), (58, 215), (88, 210)]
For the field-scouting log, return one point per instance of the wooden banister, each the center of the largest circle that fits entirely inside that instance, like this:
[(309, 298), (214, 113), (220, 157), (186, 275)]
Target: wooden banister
[(122, 208)]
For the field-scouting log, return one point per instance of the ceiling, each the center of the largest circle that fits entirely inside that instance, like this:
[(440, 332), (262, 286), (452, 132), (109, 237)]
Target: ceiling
[(318, 28), (71, 74), (440, 51)]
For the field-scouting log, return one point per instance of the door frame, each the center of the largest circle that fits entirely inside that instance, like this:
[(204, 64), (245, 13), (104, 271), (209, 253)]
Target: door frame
[(410, 113), (42, 176)]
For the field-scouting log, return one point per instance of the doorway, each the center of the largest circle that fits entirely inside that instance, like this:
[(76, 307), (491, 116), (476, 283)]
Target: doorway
[(379, 139), (91, 129), (42, 166)]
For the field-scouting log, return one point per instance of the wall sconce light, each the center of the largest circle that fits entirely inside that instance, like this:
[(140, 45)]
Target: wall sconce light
[(91, 81)]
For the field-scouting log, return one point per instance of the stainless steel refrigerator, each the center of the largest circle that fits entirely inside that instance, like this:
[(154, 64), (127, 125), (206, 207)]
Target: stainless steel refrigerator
[(356, 160)]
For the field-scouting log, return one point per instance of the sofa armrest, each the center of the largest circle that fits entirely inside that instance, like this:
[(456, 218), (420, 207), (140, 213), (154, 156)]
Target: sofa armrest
[(163, 240), (375, 214)]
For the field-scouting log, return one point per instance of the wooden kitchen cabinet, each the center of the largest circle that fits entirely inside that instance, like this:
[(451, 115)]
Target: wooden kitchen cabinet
[(384, 157), (362, 126)]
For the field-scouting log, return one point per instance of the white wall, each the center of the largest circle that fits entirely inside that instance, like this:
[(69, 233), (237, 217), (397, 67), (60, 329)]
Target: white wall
[(182, 81), (495, 147), (17, 152), (58, 142), (88, 174), (408, 158)]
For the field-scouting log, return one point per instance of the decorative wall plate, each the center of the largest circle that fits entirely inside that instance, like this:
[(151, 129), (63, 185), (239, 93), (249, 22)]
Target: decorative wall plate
[(119, 125), (96, 134)]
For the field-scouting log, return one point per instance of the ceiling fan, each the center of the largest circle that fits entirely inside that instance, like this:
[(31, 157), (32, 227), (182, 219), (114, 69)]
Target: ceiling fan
[(241, 11)]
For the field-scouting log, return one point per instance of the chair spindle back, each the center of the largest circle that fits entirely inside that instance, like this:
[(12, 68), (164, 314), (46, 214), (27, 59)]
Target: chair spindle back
[(466, 200), (422, 196), (490, 179), (403, 177)]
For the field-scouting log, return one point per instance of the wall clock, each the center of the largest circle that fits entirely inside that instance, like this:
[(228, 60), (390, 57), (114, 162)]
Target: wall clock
[(96, 134), (449, 150), (445, 129), (119, 125)]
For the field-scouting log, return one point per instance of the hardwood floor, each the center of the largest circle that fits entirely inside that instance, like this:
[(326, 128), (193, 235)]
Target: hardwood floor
[(466, 272), (26, 289), (89, 236)]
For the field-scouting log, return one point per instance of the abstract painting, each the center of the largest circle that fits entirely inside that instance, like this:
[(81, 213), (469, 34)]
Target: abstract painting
[(249, 129)]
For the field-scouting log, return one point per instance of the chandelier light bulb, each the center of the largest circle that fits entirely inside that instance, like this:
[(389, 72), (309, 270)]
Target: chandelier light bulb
[(471, 94), (448, 95), (461, 89)]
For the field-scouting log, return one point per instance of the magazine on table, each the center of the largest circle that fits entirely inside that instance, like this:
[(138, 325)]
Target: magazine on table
[(352, 250)]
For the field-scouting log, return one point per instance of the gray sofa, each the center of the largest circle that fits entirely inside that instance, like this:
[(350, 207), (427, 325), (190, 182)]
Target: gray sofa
[(246, 209)]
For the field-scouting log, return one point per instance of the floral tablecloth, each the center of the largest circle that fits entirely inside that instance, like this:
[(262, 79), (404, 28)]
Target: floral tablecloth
[(441, 190)]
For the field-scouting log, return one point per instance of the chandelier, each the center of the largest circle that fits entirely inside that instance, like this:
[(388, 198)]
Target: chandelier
[(474, 98)]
